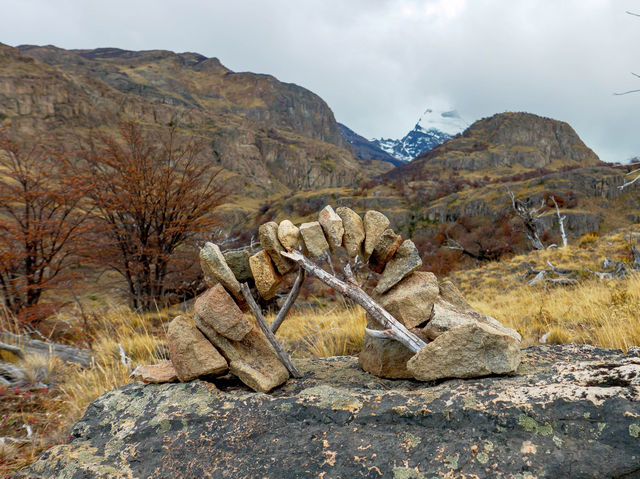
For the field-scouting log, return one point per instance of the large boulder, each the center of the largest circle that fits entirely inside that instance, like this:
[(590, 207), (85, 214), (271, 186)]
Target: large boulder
[(468, 351), (569, 412), (252, 360), (192, 355), (452, 311)]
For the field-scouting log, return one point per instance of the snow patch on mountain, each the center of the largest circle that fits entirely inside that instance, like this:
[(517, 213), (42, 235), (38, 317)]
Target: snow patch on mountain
[(434, 127)]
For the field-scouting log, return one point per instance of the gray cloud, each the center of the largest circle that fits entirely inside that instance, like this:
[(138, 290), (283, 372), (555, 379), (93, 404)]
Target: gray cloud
[(380, 63)]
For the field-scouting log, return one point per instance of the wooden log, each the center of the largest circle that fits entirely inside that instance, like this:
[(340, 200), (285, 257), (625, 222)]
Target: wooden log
[(375, 333), (353, 292), (282, 354), (35, 346), (291, 298)]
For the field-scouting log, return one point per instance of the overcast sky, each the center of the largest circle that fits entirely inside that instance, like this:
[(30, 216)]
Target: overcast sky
[(380, 63)]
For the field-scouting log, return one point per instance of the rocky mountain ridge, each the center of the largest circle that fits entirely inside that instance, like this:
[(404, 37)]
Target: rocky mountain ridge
[(271, 136)]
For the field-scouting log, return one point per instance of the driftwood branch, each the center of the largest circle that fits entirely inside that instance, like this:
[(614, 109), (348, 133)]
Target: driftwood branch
[(375, 333), (630, 182), (529, 217), (399, 331), (35, 346), (561, 220), (291, 298), (282, 354)]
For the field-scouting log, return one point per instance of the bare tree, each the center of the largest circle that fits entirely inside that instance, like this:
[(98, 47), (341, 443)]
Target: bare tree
[(152, 196), (529, 216)]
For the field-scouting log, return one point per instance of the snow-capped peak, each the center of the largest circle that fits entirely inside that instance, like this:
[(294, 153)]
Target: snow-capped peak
[(446, 121), (435, 126)]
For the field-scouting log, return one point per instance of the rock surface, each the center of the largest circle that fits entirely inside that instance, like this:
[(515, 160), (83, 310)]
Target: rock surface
[(269, 240), (289, 235), (314, 239), (332, 226), (353, 231), (216, 308), (374, 224), (404, 262), (192, 355), (570, 412), (252, 360), (468, 351), (386, 246), (265, 275), (411, 300), (238, 262), (162, 372), (216, 270), (452, 311)]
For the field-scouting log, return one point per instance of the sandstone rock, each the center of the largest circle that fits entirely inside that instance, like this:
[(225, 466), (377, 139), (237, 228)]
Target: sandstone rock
[(575, 401), (314, 239), (353, 231), (404, 262), (451, 311), (215, 269), (265, 275), (374, 225), (238, 262), (252, 360), (269, 240), (162, 372), (289, 235), (192, 355), (411, 300), (386, 358), (468, 351), (332, 226), (386, 246), (218, 309)]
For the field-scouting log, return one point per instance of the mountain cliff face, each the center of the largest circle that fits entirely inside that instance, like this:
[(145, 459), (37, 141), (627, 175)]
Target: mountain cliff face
[(434, 127), (272, 137), (503, 144), (365, 149)]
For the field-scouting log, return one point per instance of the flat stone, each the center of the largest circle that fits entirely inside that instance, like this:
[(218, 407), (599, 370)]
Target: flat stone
[(386, 358), (411, 300), (374, 225), (216, 270), (386, 246), (252, 360), (218, 309), (238, 262), (192, 355), (162, 372), (268, 233), (469, 351), (404, 262), (314, 239), (265, 275), (289, 235), (332, 225), (353, 231), (451, 311)]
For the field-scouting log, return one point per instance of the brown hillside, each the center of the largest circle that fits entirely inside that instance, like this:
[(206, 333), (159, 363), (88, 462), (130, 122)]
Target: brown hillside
[(272, 137)]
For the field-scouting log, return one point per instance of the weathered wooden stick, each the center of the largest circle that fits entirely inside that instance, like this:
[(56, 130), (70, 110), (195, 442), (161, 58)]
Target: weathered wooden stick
[(291, 298), (282, 354), (375, 333), (35, 346), (400, 332)]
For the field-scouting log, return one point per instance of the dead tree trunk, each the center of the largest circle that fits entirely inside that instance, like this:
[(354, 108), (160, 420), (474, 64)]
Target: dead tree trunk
[(529, 217), (561, 219), (395, 329)]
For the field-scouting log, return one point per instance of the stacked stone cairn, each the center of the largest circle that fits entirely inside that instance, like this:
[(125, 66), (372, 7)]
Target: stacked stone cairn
[(461, 342)]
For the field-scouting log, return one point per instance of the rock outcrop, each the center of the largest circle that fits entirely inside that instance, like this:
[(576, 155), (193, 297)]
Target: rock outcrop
[(569, 412)]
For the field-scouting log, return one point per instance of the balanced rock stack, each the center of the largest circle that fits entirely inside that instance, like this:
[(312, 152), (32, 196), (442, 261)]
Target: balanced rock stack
[(460, 342)]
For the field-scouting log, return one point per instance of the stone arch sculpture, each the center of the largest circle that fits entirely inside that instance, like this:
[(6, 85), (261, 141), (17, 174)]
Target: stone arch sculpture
[(416, 327)]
